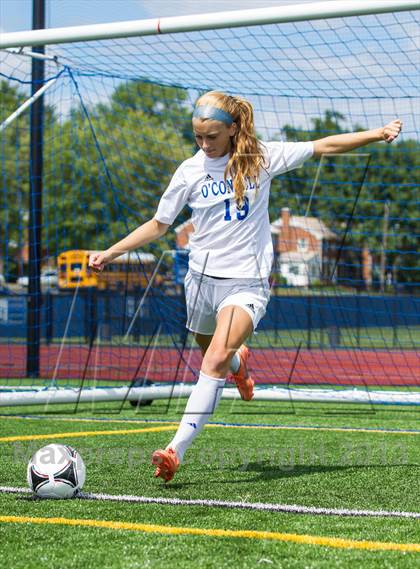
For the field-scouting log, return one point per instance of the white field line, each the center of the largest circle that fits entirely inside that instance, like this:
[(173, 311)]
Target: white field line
[(259, 506)]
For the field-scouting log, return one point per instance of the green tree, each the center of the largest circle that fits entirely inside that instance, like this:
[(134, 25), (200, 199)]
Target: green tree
[(15, 172), (104, 174), (393, 177), (14, 178), (115, 166)]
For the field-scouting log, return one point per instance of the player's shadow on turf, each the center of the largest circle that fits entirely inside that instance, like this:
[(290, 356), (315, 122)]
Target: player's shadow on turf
[(270, 471)]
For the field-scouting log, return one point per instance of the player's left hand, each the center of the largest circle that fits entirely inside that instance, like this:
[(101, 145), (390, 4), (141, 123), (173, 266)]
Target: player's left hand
[(392, 130)]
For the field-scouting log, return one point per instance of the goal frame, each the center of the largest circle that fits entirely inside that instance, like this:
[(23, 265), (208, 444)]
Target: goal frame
[(178, 24), (213, 20)]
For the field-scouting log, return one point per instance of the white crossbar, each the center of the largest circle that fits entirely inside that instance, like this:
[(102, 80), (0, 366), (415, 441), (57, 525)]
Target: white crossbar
[(216, 20)]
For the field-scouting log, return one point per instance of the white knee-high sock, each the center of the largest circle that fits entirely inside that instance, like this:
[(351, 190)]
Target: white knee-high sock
[(201, 405)]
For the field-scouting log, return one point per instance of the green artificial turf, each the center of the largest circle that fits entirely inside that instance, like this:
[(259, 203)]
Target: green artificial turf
[(317, 466)]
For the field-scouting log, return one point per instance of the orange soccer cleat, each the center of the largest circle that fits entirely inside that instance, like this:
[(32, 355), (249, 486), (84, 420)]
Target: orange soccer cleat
[(243, 380), (167, 463)]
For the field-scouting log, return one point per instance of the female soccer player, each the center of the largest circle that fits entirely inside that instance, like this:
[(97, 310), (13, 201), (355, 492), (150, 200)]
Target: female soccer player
[(226, 184)]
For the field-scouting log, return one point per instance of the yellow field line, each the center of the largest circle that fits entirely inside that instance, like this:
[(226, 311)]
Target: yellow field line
[(336, 542), (86, 434), (227, 426)]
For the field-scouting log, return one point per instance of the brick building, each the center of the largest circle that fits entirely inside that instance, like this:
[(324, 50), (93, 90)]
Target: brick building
[(303, 248)]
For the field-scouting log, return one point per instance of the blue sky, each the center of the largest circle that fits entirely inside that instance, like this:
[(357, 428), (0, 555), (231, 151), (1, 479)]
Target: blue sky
[(16, 15)]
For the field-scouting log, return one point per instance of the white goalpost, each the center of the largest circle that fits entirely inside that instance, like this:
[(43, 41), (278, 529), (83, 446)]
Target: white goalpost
[(291, 62), (197, 22), (157, 392)]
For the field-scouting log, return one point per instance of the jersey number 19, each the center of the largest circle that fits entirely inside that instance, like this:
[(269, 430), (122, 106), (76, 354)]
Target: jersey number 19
[(240, 213)]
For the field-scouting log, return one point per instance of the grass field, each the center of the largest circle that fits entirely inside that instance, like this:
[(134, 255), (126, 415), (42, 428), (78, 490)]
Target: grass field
[(314, 455)]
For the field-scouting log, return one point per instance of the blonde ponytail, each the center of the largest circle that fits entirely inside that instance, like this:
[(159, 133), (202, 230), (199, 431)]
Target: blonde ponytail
[(246, 156)]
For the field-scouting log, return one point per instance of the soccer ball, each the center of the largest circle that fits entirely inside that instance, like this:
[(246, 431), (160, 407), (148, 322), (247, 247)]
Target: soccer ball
[(56, 471)]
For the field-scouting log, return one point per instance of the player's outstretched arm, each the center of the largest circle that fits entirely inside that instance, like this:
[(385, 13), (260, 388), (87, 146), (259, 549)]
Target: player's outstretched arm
[(144, 234), (340, 143)]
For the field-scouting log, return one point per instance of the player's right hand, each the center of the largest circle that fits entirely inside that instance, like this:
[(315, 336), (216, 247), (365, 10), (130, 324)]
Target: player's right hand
[(98, 260), (392, 130)]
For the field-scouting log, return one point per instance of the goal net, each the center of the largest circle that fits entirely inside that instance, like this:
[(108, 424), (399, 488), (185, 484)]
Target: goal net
[(343, 320)]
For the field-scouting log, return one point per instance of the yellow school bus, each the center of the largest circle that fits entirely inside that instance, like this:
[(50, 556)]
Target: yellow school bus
[(128, 271)]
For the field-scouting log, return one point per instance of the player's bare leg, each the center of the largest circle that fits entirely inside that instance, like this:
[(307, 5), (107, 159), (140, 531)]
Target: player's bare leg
[(238, 363), (234, 325), (203, 340), (227, 344)]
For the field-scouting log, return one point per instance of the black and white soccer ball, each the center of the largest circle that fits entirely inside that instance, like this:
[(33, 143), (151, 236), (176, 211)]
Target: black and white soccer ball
[(56, 471)]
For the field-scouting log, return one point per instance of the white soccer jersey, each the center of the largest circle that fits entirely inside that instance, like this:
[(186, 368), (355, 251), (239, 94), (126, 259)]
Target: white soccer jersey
[(228, 242)]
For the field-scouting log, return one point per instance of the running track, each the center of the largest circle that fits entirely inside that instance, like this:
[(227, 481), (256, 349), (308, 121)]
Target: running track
[(330, 367)]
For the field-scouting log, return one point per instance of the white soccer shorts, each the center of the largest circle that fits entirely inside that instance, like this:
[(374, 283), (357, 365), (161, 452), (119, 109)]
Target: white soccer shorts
[(206, 296)]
